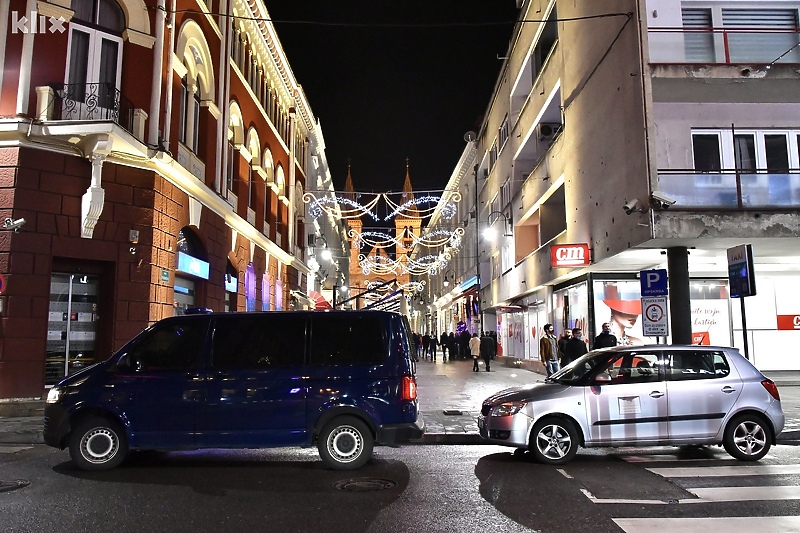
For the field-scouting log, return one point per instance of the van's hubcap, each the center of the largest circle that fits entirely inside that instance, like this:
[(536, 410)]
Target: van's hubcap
[(99, 445), (345, 444)]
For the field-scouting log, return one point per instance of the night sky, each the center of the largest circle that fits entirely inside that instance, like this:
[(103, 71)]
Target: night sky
[(384, 92)]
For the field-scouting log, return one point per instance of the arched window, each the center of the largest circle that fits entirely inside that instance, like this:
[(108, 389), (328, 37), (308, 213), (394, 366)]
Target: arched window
[(94, 66), (184, 110)]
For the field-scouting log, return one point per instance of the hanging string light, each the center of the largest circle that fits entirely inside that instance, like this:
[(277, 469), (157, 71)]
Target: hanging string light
[(340, 207)]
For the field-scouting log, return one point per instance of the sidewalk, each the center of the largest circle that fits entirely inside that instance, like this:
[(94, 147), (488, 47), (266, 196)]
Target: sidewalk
[(450, 400)]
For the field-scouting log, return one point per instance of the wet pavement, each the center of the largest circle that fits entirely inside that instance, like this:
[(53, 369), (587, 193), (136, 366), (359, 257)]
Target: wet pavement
[(450, 398)]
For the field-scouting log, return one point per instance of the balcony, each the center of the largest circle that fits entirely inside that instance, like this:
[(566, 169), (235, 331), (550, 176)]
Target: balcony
[(729, 189), (728, 46), (92, 101)]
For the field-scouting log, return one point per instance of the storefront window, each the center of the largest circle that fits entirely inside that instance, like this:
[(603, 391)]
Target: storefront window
[(184, 295), (72, 324), (278, 295), (265, 285), (571, 308), (250, 287)]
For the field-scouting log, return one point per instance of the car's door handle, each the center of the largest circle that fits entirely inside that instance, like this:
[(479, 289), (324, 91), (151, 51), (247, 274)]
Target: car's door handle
[(727, 389), (656, 394)]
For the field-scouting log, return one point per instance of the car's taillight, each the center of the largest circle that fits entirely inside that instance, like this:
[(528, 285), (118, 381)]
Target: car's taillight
[(409, 388), (772, 388)]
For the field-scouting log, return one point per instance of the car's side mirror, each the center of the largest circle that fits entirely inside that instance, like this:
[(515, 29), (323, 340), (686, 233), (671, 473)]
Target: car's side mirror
[(602, 377)]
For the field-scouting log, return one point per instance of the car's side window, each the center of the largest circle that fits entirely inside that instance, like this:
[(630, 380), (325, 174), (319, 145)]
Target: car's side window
[(633, 367), (686, 365), (171, 346), (259, 341), (347, 340)]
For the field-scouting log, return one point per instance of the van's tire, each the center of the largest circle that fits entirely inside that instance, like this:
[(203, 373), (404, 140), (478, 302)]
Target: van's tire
[(98, 444), (747, 437), (345, 443), (554, 441)]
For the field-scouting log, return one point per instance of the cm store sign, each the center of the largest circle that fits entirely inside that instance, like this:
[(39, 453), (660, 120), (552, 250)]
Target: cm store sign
[(569, 255)]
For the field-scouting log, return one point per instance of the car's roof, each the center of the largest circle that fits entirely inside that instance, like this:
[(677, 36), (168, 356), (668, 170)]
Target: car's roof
[(694, 347)]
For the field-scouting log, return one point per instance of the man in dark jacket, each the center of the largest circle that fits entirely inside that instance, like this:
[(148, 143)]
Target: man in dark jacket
[(605, 339), (487, 349), (575, 348)]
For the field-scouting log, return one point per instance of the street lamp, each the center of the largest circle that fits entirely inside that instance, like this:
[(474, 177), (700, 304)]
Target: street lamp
[(446, 281), (490, 233)]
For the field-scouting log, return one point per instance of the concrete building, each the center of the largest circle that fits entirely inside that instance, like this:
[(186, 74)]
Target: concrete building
[(629, 135), (154, 157)]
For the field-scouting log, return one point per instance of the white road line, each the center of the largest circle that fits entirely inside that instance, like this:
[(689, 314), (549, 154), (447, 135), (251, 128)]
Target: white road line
[(741, 494), (762, 524), (563, 473), (613, 501), (726, 471)]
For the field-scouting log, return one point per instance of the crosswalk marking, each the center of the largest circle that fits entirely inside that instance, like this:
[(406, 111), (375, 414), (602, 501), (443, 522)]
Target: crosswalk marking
[(743, 494), (726, 471), (762, 524)]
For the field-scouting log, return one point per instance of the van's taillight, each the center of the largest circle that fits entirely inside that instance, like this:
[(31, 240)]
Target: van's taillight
[(771, 388), (409, 388)]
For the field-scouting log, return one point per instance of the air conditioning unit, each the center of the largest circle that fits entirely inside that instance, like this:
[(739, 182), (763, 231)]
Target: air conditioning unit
[(547, 130)]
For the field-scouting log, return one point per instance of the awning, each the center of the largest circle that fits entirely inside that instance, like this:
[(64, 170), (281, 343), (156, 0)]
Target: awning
[(321, 302)]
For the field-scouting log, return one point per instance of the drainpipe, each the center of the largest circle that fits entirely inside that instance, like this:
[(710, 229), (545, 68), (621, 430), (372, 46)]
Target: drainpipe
[(25, 64), (223, 95), (292, 148), (168, 96), (158, 64)]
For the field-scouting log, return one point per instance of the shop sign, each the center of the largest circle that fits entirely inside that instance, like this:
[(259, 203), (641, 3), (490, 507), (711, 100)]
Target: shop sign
[(789, 322), (192, 265), (569, 255)]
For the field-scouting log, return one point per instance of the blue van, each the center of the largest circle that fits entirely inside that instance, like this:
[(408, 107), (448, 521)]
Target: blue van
[(343, 380)]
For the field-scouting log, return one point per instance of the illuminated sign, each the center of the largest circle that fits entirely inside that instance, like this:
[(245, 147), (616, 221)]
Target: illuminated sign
[(231, 283), (741, 277), (192, 265), (789, 322), (569, 255)]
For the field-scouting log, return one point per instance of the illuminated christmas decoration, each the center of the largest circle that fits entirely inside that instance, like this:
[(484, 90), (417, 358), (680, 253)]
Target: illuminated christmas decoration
[(432, 239), (340, 207), (382, 265)]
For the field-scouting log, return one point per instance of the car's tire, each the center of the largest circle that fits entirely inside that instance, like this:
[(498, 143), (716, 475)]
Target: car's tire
[(747, 437), (98, 444), (345, 443), (554, 441)]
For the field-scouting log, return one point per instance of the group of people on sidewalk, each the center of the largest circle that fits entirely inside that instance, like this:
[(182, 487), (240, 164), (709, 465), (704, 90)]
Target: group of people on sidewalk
[(484, 348), (556, 353), (452, 345)]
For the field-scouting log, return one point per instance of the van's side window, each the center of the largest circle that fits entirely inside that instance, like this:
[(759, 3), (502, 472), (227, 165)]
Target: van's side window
[(170, 346), (347, 340), (260, 341)]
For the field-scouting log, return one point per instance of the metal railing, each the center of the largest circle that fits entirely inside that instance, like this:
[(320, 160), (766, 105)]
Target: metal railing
[(92, 101), (765, 46), (732, 189)]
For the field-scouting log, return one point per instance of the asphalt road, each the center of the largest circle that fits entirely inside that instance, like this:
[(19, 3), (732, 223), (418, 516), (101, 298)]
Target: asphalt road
[(407, 489)]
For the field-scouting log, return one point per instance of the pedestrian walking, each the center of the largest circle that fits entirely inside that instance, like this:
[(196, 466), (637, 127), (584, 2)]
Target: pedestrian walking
[(605, 339), (475, 350), (562, 343), (443, 342), (432, 346), (451, 344), (487, 349), (548, 350), (426, 341), (575, 347)]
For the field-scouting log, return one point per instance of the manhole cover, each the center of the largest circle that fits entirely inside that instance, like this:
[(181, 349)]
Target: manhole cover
[(452, 412), (364, 484), (6, 486)]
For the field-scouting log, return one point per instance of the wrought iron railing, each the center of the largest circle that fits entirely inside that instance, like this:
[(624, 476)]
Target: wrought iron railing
[(726, 46), (732, 189), (92, 101)]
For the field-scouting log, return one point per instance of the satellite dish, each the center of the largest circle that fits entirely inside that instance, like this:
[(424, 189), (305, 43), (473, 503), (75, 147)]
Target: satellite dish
[(470, 136)]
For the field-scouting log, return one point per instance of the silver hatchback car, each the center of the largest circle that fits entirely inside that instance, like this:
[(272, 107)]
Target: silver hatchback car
[(640, 396)]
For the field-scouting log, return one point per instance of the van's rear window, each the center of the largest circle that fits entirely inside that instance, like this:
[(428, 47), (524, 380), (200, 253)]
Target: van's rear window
[(348, 339)]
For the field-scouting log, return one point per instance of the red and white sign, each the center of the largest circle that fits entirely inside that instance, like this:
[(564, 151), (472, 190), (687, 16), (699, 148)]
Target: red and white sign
[(791, 322), (569, 255)]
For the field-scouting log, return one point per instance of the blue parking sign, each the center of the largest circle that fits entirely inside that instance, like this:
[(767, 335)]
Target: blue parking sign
[(653, 282)]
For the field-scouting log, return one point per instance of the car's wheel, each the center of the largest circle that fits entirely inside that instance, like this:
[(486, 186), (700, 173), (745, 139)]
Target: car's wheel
[(98, 444), (345, 443), (554, 441), (747, 438)]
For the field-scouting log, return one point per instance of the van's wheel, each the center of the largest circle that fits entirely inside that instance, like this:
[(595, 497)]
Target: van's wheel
[(554, 441), (747, 437), (98, 444), (345, 443)]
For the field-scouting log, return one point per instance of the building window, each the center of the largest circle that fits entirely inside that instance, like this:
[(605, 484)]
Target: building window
[(503, 132), (183, 111), (505, 193), (493, 155), (196, 119), (229, 175), (706, 152)]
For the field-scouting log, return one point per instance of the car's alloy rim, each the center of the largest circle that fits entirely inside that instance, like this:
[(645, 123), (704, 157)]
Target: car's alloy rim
[(99, 445), (750, 438), (345, 444), (553, 441)]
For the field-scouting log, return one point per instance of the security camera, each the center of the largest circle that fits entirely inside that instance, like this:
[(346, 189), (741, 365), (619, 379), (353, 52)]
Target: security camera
[(630, 206), (661, 200), (13, 225)]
